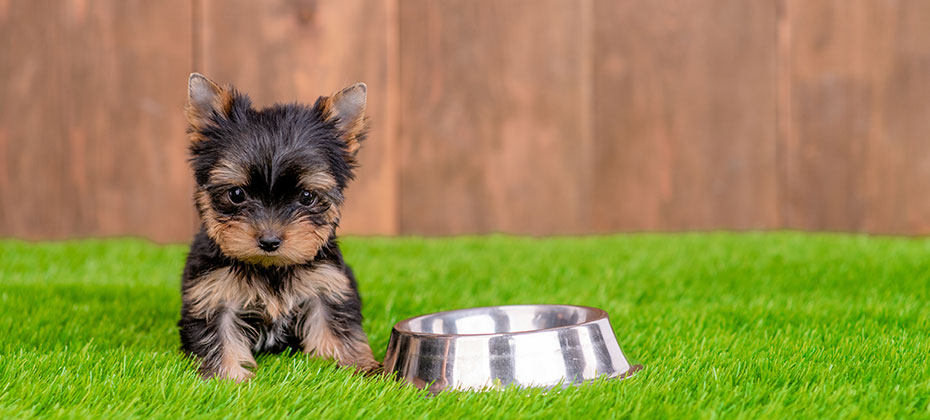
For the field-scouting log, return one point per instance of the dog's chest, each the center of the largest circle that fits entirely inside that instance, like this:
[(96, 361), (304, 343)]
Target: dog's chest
[(272, 298)]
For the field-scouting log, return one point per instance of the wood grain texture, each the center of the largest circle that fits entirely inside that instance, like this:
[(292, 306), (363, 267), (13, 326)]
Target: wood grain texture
[(31, 142), (493, 125), (858, 116), (285, 51), (684, 115), (91, 128), (521, 116)]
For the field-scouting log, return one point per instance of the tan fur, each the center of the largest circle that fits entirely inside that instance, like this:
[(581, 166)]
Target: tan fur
[(318, 181), (235, 350), (322, 280), (199, 117), (227, 173), (317, 337), (318, 340), (194, 137), (326, 106), (351, 126), (301, 239), (351, 129), (222, 288), (352, 133), (237, 239), (222, 293)]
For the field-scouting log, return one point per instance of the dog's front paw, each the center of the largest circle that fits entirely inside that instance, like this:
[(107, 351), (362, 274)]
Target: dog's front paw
[(370, 368), (237, 374)]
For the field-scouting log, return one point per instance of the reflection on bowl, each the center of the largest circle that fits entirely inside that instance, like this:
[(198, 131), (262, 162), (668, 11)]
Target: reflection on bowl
[(497, 346)]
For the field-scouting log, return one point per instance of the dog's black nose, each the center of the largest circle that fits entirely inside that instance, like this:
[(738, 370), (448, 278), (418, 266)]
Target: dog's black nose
[(269, 243)]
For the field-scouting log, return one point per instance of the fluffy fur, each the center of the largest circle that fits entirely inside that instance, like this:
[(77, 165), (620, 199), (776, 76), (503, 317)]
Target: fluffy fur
[(264, 273)]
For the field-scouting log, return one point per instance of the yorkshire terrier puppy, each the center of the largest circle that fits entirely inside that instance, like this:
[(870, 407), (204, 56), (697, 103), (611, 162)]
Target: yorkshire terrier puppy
[(264, 273)]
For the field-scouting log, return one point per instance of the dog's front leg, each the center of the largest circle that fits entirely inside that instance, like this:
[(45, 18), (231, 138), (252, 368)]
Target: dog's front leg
[(333, 329), (221, 343)]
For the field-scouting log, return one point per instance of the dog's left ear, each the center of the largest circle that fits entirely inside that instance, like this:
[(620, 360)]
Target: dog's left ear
[(348, 107), (206, 100)]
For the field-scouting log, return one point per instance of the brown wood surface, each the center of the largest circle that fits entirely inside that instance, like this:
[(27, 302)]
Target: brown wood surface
[(89, 125), (522, 116), (858, 137), (285, 51), (31, 144), (494, 116), (684, 121)]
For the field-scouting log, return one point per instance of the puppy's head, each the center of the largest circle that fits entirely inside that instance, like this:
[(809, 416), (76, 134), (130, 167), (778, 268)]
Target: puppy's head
[(270, 181)]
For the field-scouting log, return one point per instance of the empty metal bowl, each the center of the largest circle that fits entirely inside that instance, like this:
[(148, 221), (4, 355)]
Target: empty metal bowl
[(492, 347)]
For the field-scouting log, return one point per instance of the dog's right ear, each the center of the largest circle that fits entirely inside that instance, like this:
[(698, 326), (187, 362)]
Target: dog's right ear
[(206, 101)]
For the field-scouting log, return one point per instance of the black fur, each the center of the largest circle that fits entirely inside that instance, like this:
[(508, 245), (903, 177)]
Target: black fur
[(345, 317), (275, 146)]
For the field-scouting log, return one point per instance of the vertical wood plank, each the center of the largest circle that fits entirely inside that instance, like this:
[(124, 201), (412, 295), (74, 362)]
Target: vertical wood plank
[(31, 140), (684, 115), (782, 108), (524, 116), (283, 51), (860, 101), (492, 117), (130, 60), (95, 119)]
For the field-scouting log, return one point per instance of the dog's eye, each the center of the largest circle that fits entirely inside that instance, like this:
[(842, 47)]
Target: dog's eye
[(308, 198), (236, 195)]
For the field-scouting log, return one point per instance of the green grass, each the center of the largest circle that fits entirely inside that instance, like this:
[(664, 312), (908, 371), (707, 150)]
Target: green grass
[(781, 325)]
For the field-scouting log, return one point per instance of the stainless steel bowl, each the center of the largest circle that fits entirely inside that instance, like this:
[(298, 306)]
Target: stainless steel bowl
[(492, 347)]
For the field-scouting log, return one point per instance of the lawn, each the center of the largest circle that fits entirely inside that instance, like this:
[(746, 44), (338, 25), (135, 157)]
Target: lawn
[(767, 325)]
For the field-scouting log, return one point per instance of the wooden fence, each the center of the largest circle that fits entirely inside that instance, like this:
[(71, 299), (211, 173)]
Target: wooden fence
[(522, 116)]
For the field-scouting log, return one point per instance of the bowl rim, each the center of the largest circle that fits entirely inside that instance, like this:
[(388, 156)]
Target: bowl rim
[(402, 327)]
